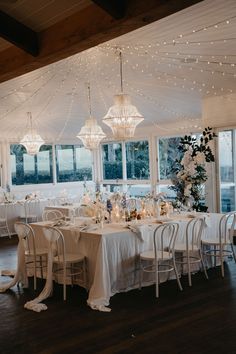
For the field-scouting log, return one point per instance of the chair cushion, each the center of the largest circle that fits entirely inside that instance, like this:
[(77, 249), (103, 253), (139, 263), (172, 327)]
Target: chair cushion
[(69, 258), (181, 247), (38, 252), (150, 255), (214, 241)]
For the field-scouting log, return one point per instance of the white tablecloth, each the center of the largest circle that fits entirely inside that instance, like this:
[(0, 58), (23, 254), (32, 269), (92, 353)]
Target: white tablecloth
[(112, 252)]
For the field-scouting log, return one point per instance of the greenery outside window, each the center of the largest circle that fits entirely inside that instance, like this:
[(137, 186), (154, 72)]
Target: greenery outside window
[(137, 160), (27, 169), (73, 163), (112, 161)]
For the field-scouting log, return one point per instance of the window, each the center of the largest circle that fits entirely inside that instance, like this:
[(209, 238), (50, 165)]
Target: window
[(227, 170), (27, 169), (168, 153), (112, 161), (137, 160), (74, 163)]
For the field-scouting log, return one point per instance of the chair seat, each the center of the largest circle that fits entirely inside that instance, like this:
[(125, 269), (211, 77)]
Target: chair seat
[(38, 252), (150, 255), (215, 241), (181, 247), (69, 258), (2, 220)]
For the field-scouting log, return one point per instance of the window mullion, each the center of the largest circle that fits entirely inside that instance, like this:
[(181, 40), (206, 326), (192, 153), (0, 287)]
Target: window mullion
[(124, 167)]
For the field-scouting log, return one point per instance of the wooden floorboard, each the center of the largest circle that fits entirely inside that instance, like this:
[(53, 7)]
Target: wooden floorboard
[(199, 320)]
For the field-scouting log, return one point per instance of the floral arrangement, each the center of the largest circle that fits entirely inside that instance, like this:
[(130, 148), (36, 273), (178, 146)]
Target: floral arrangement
[(189, 173)]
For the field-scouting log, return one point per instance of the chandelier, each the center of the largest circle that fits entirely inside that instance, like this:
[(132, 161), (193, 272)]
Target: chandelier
[(122, 117), (31, 141), (91, 133)]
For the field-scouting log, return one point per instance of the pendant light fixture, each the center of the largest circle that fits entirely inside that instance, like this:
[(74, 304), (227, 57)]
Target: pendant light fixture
[(91, 133), (122, 117), (31, 141)]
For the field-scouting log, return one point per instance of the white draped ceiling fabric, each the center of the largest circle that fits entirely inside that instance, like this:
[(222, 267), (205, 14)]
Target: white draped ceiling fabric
[(170, 67)]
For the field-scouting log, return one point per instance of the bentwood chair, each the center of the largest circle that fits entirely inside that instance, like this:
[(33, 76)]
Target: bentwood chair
[(4, 228), (65, 264), (190, 248), (36, 258), (161, 258), (52, 215), (221, 246), (31, 211)]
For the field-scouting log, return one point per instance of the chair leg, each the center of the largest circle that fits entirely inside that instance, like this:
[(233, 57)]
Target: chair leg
[(85, 274), (41, 266), (157, 278), (72, 276), (222, 263), (177, 275), (64, 283), (202, 263), (35, 276), (140, 274), (189, 271), (233, 252)]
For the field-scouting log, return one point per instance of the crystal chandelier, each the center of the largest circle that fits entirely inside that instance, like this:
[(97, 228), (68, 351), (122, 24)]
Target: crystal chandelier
[(31, 141), (91, 133), (122, 117)]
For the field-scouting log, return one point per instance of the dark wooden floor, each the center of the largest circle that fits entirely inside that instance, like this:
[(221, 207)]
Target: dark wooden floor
[(201, 319)]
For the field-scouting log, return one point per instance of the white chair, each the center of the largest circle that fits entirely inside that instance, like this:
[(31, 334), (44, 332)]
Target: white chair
[(221, 246), (67, 264), (52, 214), (4, 228), (85, 211), (36, 258), (31, 211), (162, 257), (190, 248)]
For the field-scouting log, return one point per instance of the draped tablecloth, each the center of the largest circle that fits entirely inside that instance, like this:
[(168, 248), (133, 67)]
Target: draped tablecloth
[(112, 253)]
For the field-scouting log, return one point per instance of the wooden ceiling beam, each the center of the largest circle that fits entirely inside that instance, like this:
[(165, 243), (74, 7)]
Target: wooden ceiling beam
[(83, 30), (18, 34), (115, 8)]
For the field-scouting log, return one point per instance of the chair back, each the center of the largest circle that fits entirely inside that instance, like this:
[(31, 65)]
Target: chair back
[(194, 233), (56, 242), (85, 210), (26, 236), (227, 227), (52, 214), (3, 211), (164, 238), (32, 209)]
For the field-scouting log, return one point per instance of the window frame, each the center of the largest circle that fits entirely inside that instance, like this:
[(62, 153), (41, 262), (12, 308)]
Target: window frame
[(124, 182), (218, 174)]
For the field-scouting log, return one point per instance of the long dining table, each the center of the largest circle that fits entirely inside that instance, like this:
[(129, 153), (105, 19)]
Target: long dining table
[(112, 251)]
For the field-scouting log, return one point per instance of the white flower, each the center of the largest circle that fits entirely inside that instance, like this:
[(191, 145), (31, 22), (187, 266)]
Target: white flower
[(187, 190), (199, 159), (191, 168), (186, 158)]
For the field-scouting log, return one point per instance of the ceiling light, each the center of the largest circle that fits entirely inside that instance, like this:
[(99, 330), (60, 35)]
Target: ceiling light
[(122, 117), (91, 133), (31, 141)]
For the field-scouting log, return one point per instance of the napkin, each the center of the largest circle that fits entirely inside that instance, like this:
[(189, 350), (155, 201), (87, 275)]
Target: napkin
[(139, 230)]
